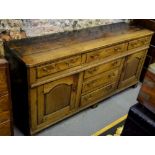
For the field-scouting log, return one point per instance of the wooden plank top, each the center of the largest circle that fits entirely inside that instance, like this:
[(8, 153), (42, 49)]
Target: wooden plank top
[(38, 50)]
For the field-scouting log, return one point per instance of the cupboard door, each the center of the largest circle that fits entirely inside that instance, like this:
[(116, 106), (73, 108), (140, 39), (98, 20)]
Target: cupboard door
[(132, 69), (56, 99)]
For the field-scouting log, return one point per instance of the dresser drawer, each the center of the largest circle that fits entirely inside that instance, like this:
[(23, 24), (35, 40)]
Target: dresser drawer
[(58, 66), (139, 42), (3, 80), (4, 103), (4, 116), (97, 94), (105, 52), (5, 129), (100, 80), (102, 68)]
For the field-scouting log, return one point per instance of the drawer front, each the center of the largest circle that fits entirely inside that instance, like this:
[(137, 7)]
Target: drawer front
[(139, 42), (4, 103), (58, 66), (5, 129), (3, 80), (100, 80), (97, 94), (105, 52), (4, 116), (102, 68)]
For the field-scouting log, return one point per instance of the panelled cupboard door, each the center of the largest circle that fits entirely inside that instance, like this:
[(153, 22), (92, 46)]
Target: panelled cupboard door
[(132, 68), (56, 99)]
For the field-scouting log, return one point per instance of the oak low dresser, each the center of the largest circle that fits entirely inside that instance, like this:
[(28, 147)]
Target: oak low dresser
[(6, 127), (56, 76)]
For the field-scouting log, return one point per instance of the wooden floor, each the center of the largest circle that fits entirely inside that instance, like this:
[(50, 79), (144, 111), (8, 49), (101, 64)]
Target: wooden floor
[(90, 120)]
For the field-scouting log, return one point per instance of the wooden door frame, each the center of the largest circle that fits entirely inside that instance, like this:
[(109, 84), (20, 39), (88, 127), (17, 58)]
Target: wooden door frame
[(44, 89), (140, 65)]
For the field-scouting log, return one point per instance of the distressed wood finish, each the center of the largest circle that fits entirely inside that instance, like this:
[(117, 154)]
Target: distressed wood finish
[(139, 42), (150, 58), (6, 128), (61, 65), (97, 94), (61, 92), (132, 68), (57, 77), (102, 68), (100, 80), (106, 52)]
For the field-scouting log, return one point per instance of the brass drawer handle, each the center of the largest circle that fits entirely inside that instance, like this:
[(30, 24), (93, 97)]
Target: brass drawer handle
[(95, 56), (68, 64), (109, 87), (92, 70), (88, 97), (134, 44), (56, 66), (144, 41), (111, 75), (91, 83), (49, 68), (139, 58), (73, 60), (45, 69), (117, 49), (114, 63)]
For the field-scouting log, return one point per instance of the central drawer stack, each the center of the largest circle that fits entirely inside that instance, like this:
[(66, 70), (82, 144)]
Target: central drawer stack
[(77, 71), (100, 81)]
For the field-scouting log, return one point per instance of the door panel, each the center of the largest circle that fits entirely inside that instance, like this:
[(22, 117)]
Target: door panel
[(56, 99), (54, 95), (132, 68)]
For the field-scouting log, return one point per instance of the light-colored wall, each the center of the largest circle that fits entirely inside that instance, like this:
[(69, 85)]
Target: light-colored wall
[(38, 27)]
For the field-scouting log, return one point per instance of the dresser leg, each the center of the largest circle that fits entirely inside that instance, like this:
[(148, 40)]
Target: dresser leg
[(135, 86), (94, 106)]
